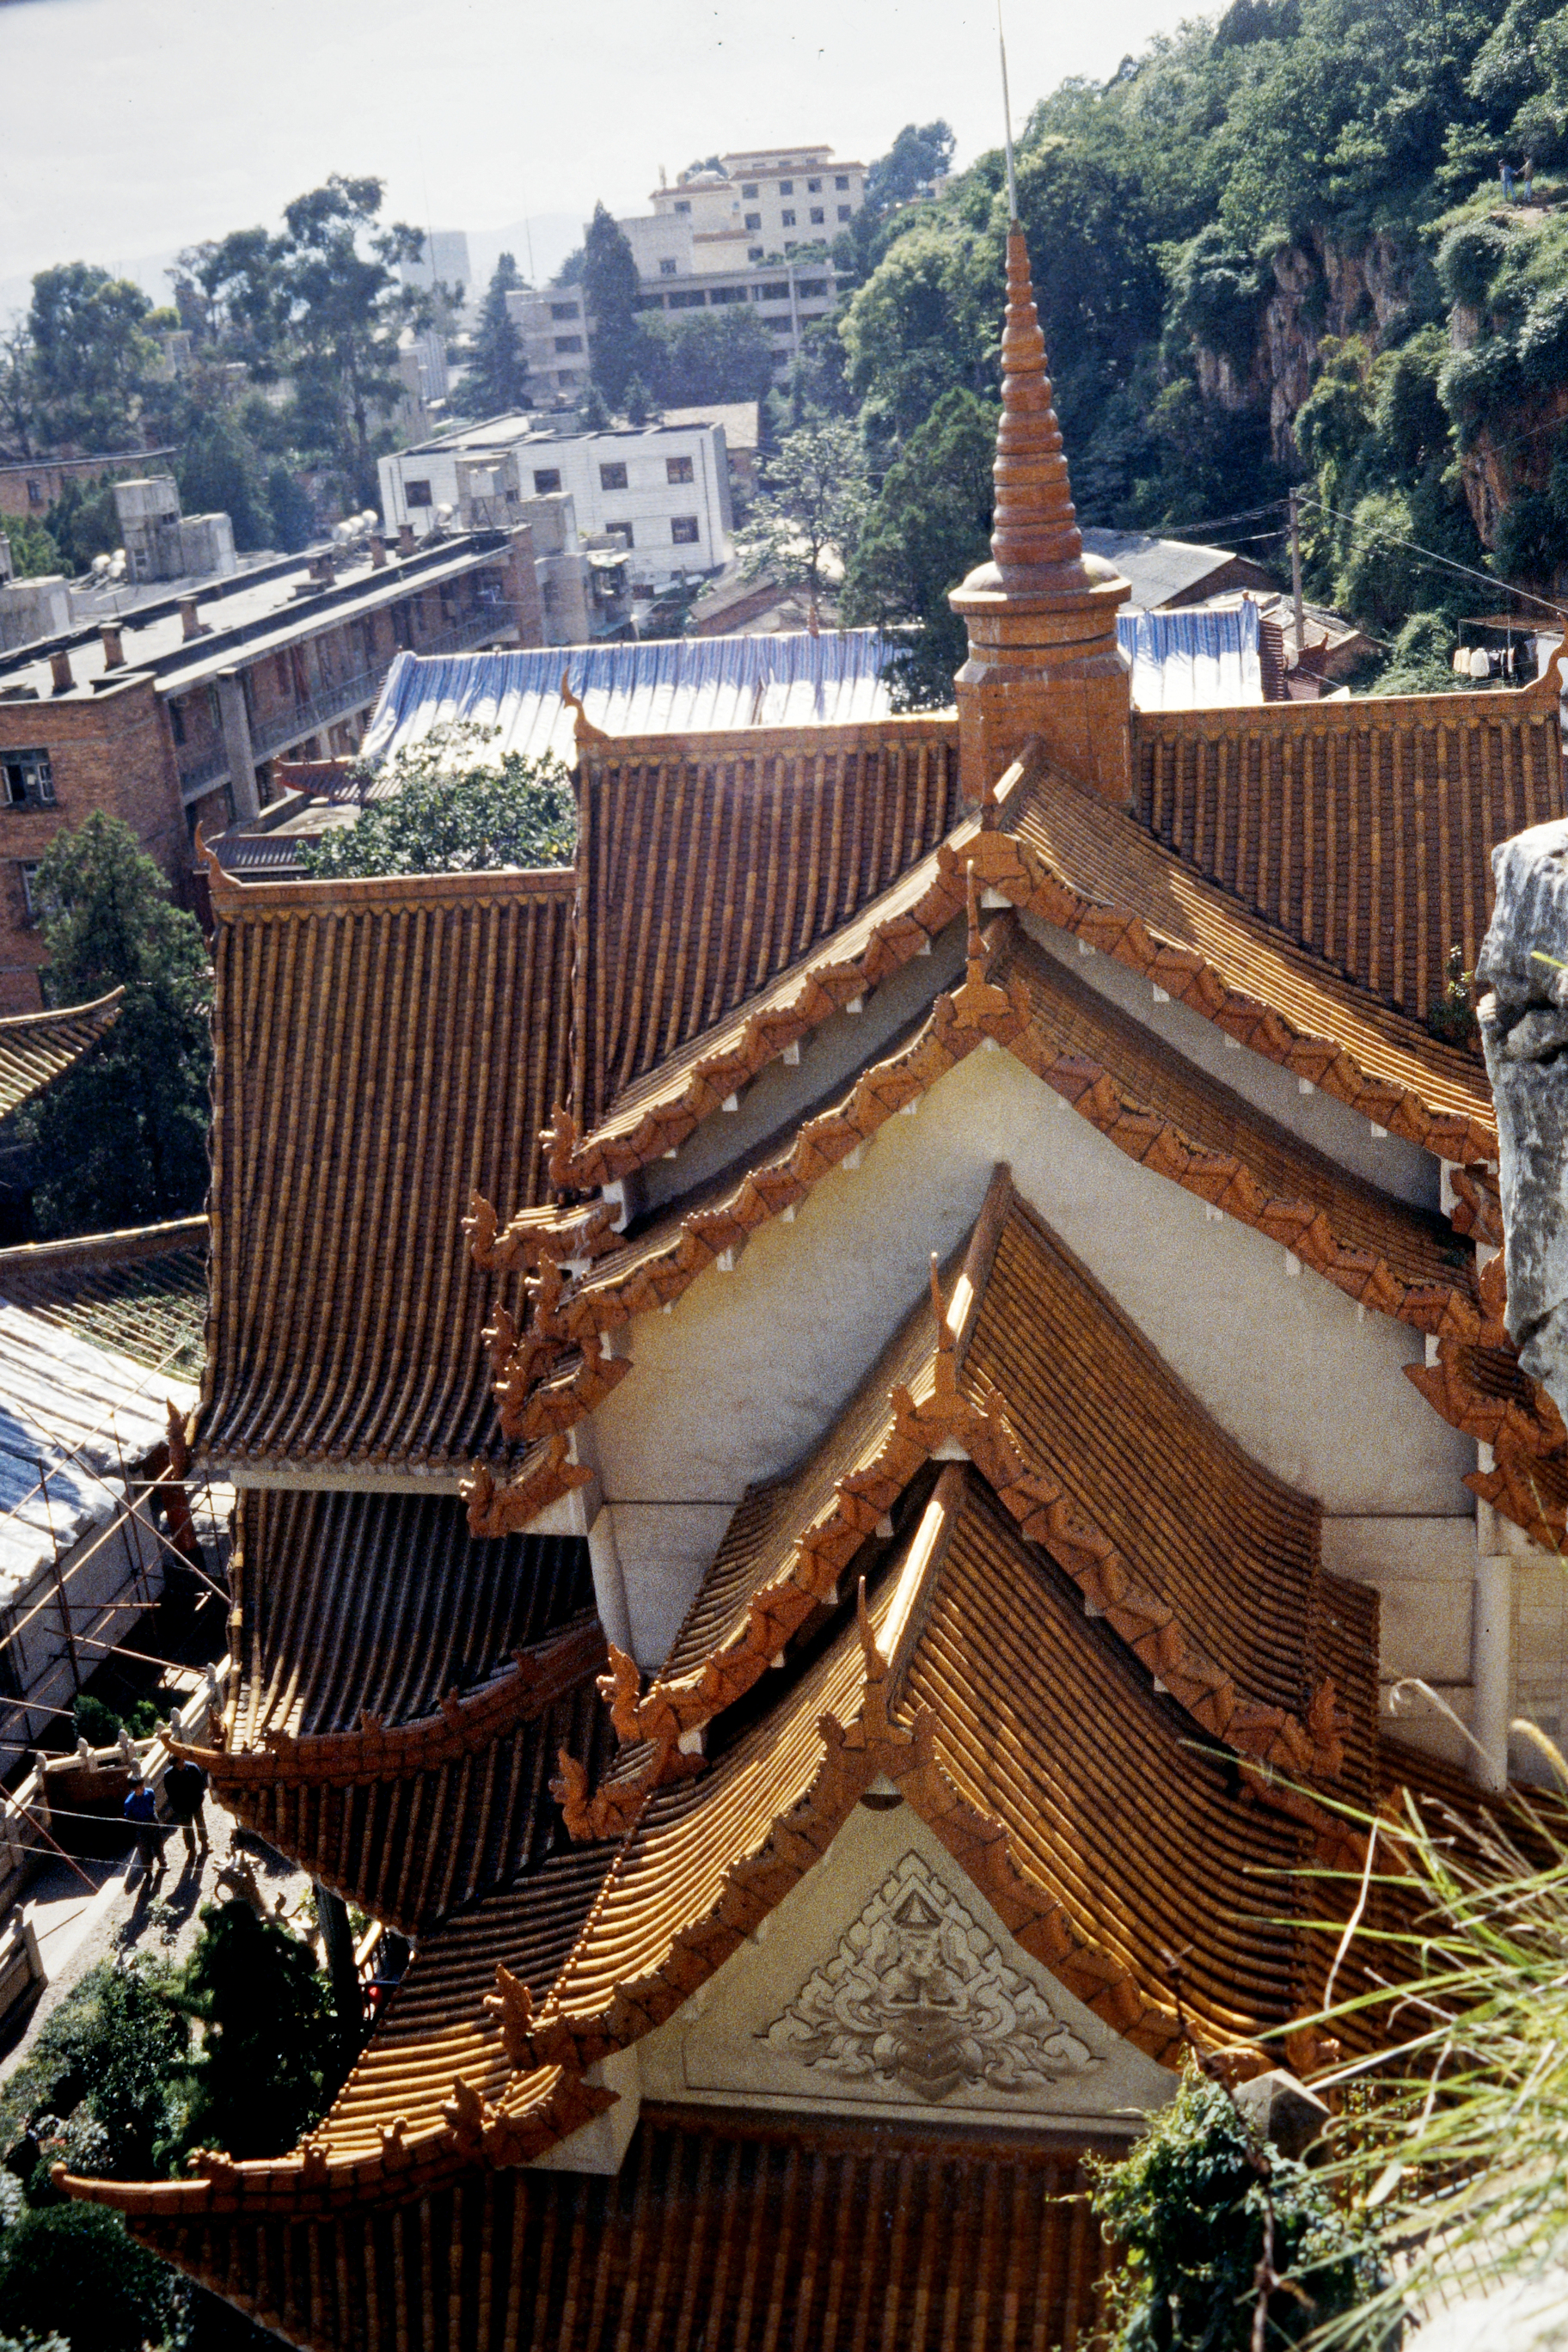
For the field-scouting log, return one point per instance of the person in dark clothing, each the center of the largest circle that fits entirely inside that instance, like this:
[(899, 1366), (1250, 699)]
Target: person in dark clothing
[(184, 1786), (141, 1810)]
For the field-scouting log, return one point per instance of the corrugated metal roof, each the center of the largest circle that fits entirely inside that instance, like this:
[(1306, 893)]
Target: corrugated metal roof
[(1199, 659), (67, 1410), (1158, 569), (667, 686)]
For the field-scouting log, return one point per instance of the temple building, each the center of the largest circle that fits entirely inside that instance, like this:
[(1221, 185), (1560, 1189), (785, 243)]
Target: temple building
[(845, 1418)]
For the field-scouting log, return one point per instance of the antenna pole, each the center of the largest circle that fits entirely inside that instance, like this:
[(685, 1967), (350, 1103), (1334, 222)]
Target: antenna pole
[(1007, 120)]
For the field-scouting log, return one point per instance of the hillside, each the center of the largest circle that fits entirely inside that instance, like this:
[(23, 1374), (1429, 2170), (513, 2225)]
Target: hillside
[(1275, 249)]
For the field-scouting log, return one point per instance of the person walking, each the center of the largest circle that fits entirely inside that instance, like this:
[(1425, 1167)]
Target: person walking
[(184, 1786), (141, 1810)]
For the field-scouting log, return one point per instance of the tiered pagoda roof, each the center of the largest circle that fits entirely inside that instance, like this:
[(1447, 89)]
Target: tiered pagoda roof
[(1022, 1594)]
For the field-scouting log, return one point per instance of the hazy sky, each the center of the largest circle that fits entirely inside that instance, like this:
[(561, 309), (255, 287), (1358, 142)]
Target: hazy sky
[(132, 127)]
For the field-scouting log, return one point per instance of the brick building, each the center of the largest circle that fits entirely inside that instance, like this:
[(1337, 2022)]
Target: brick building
[(29, 486), (174, 716)]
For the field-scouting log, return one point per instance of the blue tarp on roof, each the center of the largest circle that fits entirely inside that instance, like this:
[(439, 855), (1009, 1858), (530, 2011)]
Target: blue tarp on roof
[(667, 686), (1193, 660)]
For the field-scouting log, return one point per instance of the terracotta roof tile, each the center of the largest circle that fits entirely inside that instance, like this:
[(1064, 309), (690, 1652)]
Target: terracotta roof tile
[(349, 1604), (746, 2234), (993, 1643), (661, 1108), (385, 1050), (710, 869), (1362, 829), (1081, 863), (37, 1047)]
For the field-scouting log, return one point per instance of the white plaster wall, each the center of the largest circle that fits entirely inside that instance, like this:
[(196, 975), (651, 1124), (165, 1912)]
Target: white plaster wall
[(747, 1368), (1330, 1126)]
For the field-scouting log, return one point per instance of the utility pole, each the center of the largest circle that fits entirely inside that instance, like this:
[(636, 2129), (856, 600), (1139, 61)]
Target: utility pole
[(1295, 570)]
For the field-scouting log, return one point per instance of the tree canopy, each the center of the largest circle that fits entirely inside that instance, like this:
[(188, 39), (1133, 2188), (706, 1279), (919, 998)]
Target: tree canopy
[(446, 806), (497, 366), (121, 1138), (619, 347), (807, 516)]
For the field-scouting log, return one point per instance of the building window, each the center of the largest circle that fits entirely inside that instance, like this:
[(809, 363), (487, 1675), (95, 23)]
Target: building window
[(683, 531), (818, 214), (841, 179), (35, 494), (568, 342), (683, 205), (749, 193), (567, 376), (417, 494), (667, 268), (546, 478), (621, 531), (772, 293), (754, 220), (812, 288), (787, 218), (844, 211), (28, 877), (565, 310), (27, 779), (677, 469), (753, 253), (814, 187), (690, 298), (612, 477), (787, 187), (723, 294)]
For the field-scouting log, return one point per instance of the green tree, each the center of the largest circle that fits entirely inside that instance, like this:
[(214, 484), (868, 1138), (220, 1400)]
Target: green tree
[(73, 2268), (90, 354), (928, 526), (456, 811), (807, 516), (112, 2060), (711, 355), (268, 2065), (123, 1135), (619, 348), (218, 472), (918, 156), (498, 371), (346, 311), (1189, 2206), (290, 515), (84, 521), (34, 551)]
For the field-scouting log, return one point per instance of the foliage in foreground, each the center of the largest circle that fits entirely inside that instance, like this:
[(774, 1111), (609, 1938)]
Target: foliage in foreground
[(118, 2086), (1190, 2206), (1464, 2119), (122, 1137), (453, 810)]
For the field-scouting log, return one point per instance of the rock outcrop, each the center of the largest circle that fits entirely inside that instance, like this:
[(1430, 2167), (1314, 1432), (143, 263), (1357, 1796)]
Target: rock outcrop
[(1523, 966)]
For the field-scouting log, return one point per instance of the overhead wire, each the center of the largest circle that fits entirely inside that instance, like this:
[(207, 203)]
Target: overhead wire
[(1431, 556)]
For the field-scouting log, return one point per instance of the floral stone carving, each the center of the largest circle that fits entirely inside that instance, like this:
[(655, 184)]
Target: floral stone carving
[(918, 1996)]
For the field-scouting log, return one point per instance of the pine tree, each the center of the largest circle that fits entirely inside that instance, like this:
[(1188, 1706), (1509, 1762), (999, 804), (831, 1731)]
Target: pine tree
[(610, 287), (498, 371)]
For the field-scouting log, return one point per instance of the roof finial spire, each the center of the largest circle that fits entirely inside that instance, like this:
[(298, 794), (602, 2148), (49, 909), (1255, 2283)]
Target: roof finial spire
[(1007, 122), (1034, 528)]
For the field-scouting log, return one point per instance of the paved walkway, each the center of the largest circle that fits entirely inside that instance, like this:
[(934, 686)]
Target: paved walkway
[(123, 1911)]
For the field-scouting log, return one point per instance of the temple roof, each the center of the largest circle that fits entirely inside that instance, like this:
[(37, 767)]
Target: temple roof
[(37, 1047), (1363, 830), (142, 1292), (720, 2229), (348, 1604), (1075, 858), (994, 1664), (713, 865), (386, 1049)]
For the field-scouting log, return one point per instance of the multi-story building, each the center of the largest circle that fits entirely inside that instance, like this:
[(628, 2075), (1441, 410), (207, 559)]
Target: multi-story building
[(659, 493), (173, 715), (761, 202), (716, 237), (29, 486)]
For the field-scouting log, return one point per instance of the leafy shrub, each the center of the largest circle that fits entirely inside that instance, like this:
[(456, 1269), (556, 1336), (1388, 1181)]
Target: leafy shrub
[(270, 2058), (1479, 382), (1543, 340), (73, 2270), (1468, 260), (1218, 296), (1189, 2206), (1421, 661), (448, 809)]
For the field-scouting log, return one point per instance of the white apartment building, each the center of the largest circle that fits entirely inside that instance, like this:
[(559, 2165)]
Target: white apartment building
[(659, 493), (763, 203), (554, 334)]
